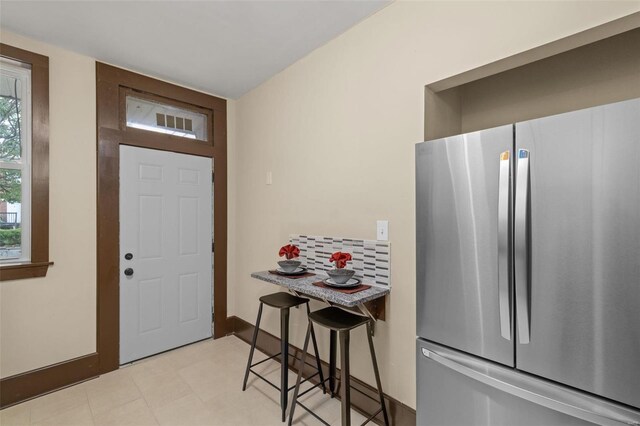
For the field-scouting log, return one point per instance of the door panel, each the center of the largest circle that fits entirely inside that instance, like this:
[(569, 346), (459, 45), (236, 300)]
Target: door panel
[(188, 225), (188, 297), (165, 223), (457, 182), (150, 226), (585, 249), (150, 305)]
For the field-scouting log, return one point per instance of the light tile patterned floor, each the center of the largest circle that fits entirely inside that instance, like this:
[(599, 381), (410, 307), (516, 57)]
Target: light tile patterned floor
[(199, 384)]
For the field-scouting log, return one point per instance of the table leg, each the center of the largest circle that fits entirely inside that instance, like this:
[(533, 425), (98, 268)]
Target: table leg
[(333, 340), (345, 382), (284, 360)]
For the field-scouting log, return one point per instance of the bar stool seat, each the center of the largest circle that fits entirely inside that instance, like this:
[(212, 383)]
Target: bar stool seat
[(336, 319), (284, 302), (340, 323)]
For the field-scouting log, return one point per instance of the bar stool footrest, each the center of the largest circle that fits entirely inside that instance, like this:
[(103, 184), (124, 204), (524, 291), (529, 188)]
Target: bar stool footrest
[(320, 419), (278, 354), (292, 387), (305, 380), (371, 417), (265, 360), (317, 385), (264, 379)]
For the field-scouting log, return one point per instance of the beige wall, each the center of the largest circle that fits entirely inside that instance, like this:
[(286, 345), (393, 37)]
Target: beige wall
[(52, 319), (338, 129)]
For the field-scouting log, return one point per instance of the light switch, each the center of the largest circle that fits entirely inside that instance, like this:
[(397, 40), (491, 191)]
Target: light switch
[(269, 178), (383, 230)]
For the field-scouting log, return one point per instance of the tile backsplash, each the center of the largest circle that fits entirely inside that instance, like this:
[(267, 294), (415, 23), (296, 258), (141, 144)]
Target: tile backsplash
[(371, 259)]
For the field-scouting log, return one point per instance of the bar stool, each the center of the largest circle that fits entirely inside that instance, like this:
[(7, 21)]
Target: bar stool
[(341, 323), (284, 302)]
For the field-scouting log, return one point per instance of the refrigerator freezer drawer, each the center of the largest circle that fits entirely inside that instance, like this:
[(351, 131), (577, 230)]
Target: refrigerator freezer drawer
[(458, 389)]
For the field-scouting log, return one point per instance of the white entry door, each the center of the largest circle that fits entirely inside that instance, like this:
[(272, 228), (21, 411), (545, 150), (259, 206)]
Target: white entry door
[(165, 251)]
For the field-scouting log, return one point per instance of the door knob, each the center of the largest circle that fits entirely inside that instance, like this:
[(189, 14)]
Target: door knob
[(128, 272), (128, 256)]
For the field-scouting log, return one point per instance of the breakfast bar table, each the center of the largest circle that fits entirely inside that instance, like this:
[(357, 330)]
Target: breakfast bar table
[(368, 302)]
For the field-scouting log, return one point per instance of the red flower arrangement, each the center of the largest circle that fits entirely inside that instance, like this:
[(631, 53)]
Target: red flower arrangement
[(340, 258), (289, 251)]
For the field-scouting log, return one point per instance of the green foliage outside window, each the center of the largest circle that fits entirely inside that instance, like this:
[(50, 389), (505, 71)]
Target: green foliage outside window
[(10, 148), (10, 237)]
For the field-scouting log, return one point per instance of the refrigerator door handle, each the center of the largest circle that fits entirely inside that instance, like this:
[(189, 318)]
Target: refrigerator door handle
[(504, 201), (566, 401), (521, 247)]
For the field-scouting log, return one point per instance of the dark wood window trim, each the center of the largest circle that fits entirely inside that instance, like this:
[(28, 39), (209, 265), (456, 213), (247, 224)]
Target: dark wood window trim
[(112, 86), (39, 263)]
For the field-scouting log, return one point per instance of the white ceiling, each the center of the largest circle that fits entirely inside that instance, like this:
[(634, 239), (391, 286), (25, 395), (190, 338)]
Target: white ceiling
[(222, 47)]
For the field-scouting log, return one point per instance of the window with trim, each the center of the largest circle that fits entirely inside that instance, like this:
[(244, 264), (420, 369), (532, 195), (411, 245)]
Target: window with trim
[(24, 164), (15, 164)]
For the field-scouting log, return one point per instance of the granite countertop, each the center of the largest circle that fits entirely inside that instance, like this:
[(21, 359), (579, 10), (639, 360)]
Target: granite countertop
[(305, 286)]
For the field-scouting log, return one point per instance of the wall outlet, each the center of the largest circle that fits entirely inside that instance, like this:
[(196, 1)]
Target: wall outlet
[(382, 233), (269, 179)]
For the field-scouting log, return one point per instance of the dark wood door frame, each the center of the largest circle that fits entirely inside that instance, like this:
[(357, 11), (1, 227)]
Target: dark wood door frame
[(112, 84)]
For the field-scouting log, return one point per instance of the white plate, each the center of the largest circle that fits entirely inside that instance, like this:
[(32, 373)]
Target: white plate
[(298, 271), (353, 282)]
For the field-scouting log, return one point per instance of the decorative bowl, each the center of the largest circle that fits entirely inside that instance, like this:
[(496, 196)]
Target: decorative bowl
[(289, 265), (341, 276)]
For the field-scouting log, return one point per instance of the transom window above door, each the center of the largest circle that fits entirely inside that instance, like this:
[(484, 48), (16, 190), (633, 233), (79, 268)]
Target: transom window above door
[(155, 116)]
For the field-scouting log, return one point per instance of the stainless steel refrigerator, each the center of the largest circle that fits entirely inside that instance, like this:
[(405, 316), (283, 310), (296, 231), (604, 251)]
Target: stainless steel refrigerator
[(528, 272)]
